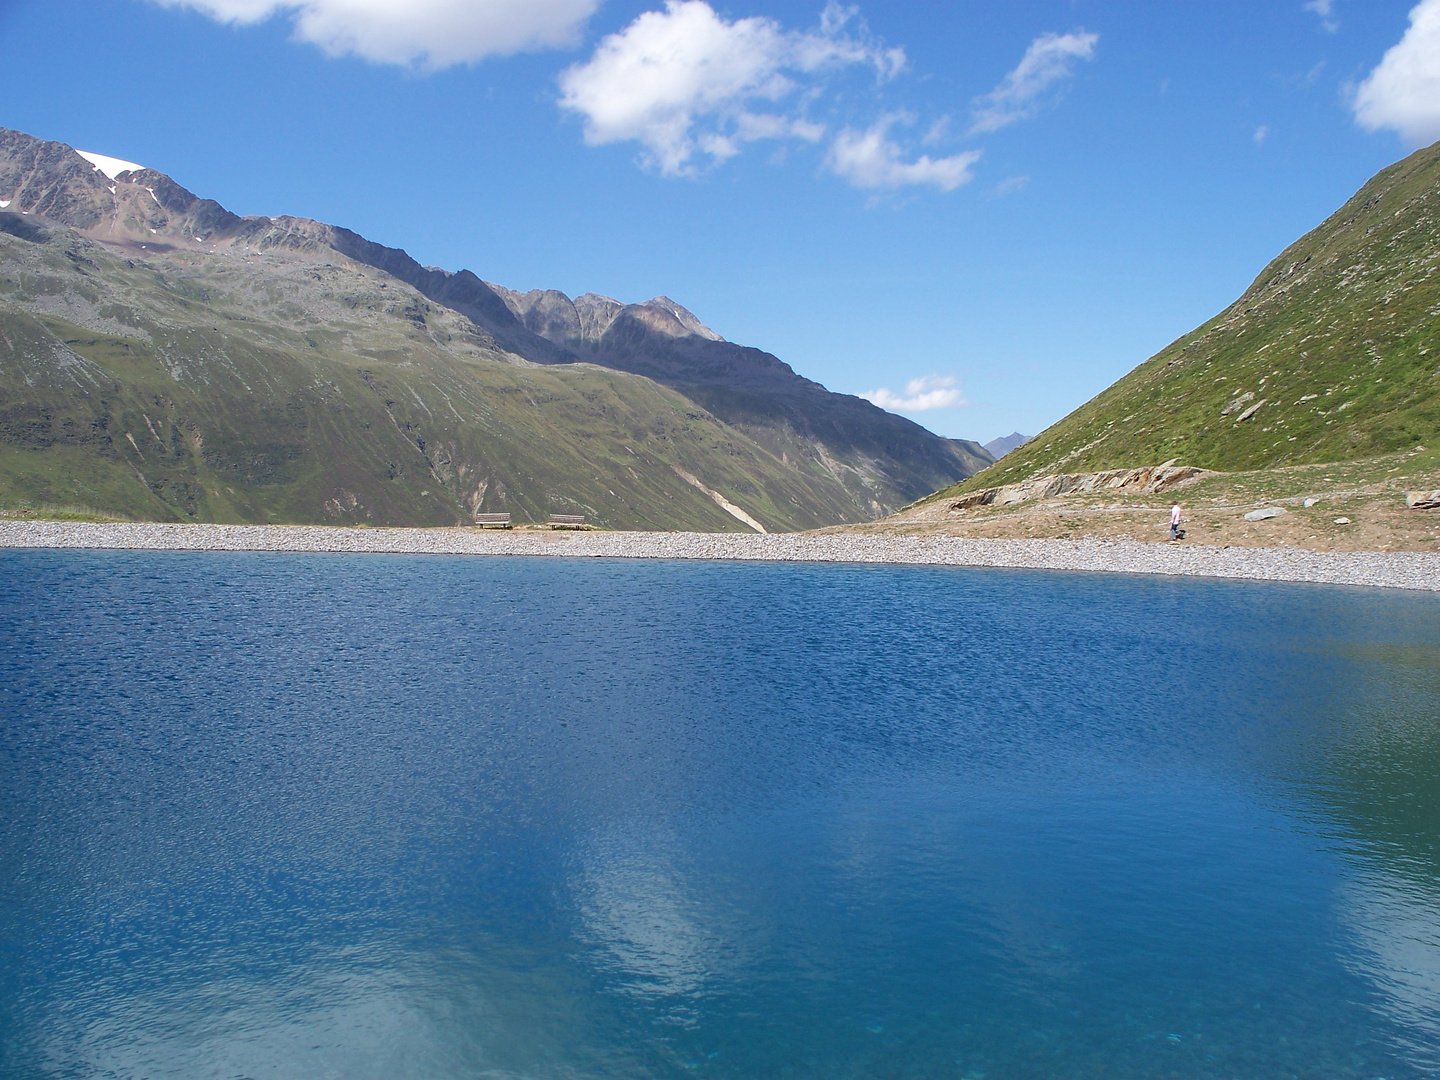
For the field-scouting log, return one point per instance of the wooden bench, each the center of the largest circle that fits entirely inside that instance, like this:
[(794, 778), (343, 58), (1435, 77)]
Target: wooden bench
[(568, 521), (493, 521)]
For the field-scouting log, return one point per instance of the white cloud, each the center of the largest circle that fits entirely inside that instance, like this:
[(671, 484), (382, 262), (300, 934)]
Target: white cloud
[(1403, 92), (1049, 59), (428, 33), (685, 81), (1326, 10), (920, 395), (1262, 133), (870, 159)]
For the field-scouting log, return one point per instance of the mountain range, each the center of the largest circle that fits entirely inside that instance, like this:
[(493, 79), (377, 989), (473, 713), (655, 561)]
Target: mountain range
[(164, 358)]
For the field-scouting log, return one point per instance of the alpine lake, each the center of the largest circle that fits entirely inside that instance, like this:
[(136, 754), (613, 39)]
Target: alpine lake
[(331, 816)]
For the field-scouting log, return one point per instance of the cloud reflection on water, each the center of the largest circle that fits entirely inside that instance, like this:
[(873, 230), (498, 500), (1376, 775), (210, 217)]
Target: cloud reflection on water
[(1397, 927), (656, 931)]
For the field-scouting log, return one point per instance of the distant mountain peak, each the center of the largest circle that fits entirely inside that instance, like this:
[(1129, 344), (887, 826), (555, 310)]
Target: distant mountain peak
[(685, 318), (998, 448), (585, 319)]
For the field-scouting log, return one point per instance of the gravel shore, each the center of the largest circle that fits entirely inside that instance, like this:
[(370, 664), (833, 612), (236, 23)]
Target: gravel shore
[(1395, 570)]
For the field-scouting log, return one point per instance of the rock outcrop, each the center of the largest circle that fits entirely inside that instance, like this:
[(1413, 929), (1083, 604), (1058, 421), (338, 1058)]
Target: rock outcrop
[(1150, 480)]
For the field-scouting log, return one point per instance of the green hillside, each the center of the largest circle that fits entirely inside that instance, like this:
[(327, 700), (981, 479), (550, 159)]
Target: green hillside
[(1332, 354), (276, 388)]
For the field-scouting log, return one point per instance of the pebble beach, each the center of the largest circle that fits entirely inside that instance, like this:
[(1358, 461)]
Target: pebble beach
[(1394, 570)]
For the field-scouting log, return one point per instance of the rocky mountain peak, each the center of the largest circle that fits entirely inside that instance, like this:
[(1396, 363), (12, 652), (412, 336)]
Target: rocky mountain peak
[(548, 313), (596, 313), (998, 448), (670, 318), (106, 198), (586, 319), (50, 179)]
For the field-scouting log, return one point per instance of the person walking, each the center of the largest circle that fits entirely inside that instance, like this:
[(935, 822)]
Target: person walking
[(1174, 521)]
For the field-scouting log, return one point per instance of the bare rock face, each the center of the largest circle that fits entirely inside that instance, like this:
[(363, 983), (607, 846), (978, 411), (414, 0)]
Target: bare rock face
[(51, 180), (1423, 500), (546, 312), (596, 314)]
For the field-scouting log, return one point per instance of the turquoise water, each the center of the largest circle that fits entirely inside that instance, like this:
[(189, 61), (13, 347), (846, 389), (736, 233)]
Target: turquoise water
[(332, 816)]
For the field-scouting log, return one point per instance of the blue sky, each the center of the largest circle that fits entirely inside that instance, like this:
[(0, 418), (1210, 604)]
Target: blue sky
[(1004, 206)]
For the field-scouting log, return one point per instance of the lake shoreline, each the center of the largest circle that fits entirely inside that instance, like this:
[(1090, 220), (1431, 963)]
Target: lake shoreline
[(1397, 570)]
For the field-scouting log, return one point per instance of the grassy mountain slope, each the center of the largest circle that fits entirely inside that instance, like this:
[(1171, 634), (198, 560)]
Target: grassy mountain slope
[(247, 386), (1332, 354), (255, 330), (865, 448)]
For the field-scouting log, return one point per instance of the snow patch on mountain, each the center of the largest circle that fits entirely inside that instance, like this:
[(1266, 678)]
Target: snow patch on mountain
[(110, 166)]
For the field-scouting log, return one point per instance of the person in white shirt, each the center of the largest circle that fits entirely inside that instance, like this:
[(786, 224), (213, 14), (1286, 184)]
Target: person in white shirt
[(1175, 521)]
